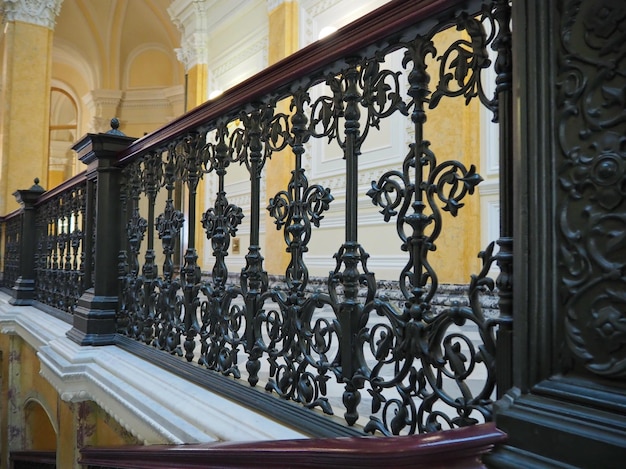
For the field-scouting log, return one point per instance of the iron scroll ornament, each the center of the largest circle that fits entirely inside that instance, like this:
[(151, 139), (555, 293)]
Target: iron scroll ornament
[(310, 337)]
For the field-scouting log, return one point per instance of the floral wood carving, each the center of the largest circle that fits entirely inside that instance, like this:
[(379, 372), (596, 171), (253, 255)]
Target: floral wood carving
[(591, 99)]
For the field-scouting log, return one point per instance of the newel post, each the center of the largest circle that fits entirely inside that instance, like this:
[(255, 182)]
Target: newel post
[(94, 318), (24, 289)]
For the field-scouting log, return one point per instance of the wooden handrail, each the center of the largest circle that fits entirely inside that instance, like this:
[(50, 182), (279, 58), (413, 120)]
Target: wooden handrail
[(63, 187), (463, 447), (10, 215), (380, 24)]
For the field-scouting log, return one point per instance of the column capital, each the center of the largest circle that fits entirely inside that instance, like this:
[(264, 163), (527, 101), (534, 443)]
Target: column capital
[(39, 12), (191, 19), (102, 104), (273, 4), (194, 50)]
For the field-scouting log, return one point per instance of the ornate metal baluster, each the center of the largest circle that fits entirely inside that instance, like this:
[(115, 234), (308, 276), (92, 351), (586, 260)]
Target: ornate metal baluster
[(168, 225), (219, 334), (51, 221), (170, 222), (192, 154), (55, 252), (69, 288), (135, 231), (12, 251), (302, 345), (248, 146), (63, 240), (82, 227), (504, 257), (76, 243), (151, 181), (351, 256), (123, 269), (40, 253)]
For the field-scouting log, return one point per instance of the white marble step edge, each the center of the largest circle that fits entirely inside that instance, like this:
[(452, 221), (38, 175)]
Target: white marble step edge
[(152, 404)]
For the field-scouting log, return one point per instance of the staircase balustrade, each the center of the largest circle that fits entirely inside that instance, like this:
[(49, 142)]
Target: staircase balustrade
[(390, 367)]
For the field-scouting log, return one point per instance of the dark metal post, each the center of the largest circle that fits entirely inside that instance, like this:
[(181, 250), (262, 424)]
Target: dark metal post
[(94, 319), (504, 258), (24, 289)]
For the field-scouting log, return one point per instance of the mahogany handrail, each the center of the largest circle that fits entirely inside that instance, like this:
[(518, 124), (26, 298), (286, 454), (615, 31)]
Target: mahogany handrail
[(62, 188), (462, 447)]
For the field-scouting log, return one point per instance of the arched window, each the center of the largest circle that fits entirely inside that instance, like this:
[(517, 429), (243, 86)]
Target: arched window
[(63, 133)]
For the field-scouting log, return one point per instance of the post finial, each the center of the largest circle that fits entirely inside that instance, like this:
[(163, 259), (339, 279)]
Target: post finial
[(115, 124), (36, 187)]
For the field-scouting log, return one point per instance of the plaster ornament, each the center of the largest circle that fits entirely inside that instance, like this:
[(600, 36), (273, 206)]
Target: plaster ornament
[(39, 12)]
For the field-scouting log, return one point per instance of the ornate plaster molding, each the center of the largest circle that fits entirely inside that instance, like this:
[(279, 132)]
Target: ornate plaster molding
[(314, 8), (194, 50), (236, 57), (191, 19), (273, 4), (196, 19), (39, 12), (102, 105)]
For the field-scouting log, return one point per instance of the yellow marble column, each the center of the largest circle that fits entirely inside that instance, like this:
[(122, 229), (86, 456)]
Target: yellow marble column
[(196, 81), (458, 138), (25, 109), (191, 19), (283, 41)]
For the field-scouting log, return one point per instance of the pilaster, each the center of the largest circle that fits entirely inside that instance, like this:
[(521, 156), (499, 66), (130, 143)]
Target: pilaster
[(191, 17), (283, 41), (25, 99)]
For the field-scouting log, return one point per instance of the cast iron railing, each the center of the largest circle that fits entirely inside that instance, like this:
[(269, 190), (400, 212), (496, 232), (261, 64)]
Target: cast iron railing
[(395, 368), (12, 230), (60, 254)]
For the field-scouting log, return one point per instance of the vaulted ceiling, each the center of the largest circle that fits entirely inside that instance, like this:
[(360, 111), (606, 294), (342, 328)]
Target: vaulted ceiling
[(101, 38)]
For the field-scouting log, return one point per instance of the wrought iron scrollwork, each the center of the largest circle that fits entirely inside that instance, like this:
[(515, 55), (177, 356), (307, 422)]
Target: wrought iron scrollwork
[(222, 321), (168, 299), (296, 336), (408, 365), (133, 301), (464, 60), (12, 237), (59, 259)]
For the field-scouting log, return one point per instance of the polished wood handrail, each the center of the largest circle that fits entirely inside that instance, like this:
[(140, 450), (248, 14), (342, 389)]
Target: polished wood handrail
[(10, 215), (379, 24), (458, 448), (63, 187)]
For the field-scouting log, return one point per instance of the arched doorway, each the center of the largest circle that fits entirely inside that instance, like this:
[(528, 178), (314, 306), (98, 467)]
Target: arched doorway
[(40, 433)]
